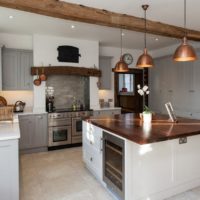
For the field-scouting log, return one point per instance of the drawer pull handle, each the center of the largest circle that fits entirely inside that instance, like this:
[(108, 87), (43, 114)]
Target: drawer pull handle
[(101, 144)]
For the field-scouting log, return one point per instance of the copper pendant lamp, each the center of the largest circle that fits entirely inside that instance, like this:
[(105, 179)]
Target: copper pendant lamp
[(145, 60), (185, 52), (121, 66)]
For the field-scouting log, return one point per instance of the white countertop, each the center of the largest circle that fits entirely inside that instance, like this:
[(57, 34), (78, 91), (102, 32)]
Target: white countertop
[(9, 130), (108, 108)]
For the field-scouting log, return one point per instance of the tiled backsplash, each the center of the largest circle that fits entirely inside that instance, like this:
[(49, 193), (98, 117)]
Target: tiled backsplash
[(68, 86)]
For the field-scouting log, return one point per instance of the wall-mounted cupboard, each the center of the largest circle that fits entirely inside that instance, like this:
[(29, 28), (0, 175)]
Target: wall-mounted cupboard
[(105, 66), (16, 67)]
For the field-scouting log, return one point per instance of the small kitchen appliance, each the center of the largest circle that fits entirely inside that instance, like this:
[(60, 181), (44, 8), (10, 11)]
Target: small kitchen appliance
[(50, 104), (19, 106), (50, 99)]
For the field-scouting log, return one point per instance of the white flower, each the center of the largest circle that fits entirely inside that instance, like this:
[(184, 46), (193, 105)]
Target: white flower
[(147, 92), (145, 88), (138, 86), (141, 92)]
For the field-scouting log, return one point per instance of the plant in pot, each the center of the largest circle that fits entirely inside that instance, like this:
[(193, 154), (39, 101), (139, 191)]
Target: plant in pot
[(147, 113)]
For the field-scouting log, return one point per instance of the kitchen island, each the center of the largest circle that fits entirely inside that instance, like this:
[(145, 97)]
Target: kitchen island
[(9, 160), (161, 159)]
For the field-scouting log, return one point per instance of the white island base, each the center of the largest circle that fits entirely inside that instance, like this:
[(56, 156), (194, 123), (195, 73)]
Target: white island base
[(153, 171), (9, 161)]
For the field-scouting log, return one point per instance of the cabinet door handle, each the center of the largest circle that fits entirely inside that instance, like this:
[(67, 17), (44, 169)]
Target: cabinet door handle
[(4, 146), (91, 159), (191, 91)]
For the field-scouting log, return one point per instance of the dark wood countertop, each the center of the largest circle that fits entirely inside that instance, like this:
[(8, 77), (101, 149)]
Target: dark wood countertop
[(131, 127)]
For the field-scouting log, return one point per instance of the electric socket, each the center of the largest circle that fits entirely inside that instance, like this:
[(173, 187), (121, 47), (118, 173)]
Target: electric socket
[(182, 140)]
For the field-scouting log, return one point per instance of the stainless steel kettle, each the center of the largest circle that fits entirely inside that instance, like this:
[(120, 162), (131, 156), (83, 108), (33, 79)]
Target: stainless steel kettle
[(19, 106)]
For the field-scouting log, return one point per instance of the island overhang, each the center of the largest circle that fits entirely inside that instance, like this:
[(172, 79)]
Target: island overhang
[(131, 127)]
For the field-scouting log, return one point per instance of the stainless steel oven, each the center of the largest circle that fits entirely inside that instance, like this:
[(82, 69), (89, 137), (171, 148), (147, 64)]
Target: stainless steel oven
[(113, 164), (59, 135), (65, 127), (59, 129)]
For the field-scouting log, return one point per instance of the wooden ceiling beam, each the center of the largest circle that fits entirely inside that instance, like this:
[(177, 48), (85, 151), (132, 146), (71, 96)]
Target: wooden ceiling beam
[(80, 13)]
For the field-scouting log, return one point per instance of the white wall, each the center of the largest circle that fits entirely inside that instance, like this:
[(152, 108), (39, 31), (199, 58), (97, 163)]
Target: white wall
[(45, 53), (13, 96), (115, 54), (17, 42)]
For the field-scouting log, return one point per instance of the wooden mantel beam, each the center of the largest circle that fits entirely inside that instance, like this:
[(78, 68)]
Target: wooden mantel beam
[(69, 11)]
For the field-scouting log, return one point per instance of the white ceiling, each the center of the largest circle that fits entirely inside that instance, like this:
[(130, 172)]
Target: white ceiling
[(170, 11)]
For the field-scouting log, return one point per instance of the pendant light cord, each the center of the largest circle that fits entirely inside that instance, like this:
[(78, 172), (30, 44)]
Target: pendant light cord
[(185, 17), (121, 41), (145, 25)]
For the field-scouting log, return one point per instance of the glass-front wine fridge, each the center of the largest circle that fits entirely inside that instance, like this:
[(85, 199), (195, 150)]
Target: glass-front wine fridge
[(113, 164)]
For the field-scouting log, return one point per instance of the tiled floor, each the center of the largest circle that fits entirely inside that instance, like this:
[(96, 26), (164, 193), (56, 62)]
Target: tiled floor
[(61, 175)]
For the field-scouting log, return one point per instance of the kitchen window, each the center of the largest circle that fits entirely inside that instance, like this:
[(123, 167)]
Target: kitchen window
[(126, 84)]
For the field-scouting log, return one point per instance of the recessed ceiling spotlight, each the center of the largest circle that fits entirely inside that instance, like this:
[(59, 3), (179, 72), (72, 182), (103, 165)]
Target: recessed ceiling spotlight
[(11, 17), (123, 34), (72, 26), (156, 39)]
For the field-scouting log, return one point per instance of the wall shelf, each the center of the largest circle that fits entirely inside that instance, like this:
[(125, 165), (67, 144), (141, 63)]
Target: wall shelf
[(68, 70)]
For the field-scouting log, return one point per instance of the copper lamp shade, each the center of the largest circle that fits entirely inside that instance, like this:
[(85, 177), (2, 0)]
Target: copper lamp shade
[(185, 52), (145, 60), (121, 66)]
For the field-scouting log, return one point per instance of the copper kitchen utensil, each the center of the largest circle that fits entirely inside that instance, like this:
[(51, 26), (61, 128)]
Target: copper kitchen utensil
[(37, 81), (43, 77)]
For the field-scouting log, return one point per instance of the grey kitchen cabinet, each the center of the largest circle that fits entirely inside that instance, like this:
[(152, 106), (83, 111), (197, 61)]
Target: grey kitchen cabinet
[(105, 67), (108, 112), (177, 82), (27, 128), (16, 65), (40, 139), (33, 130)]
